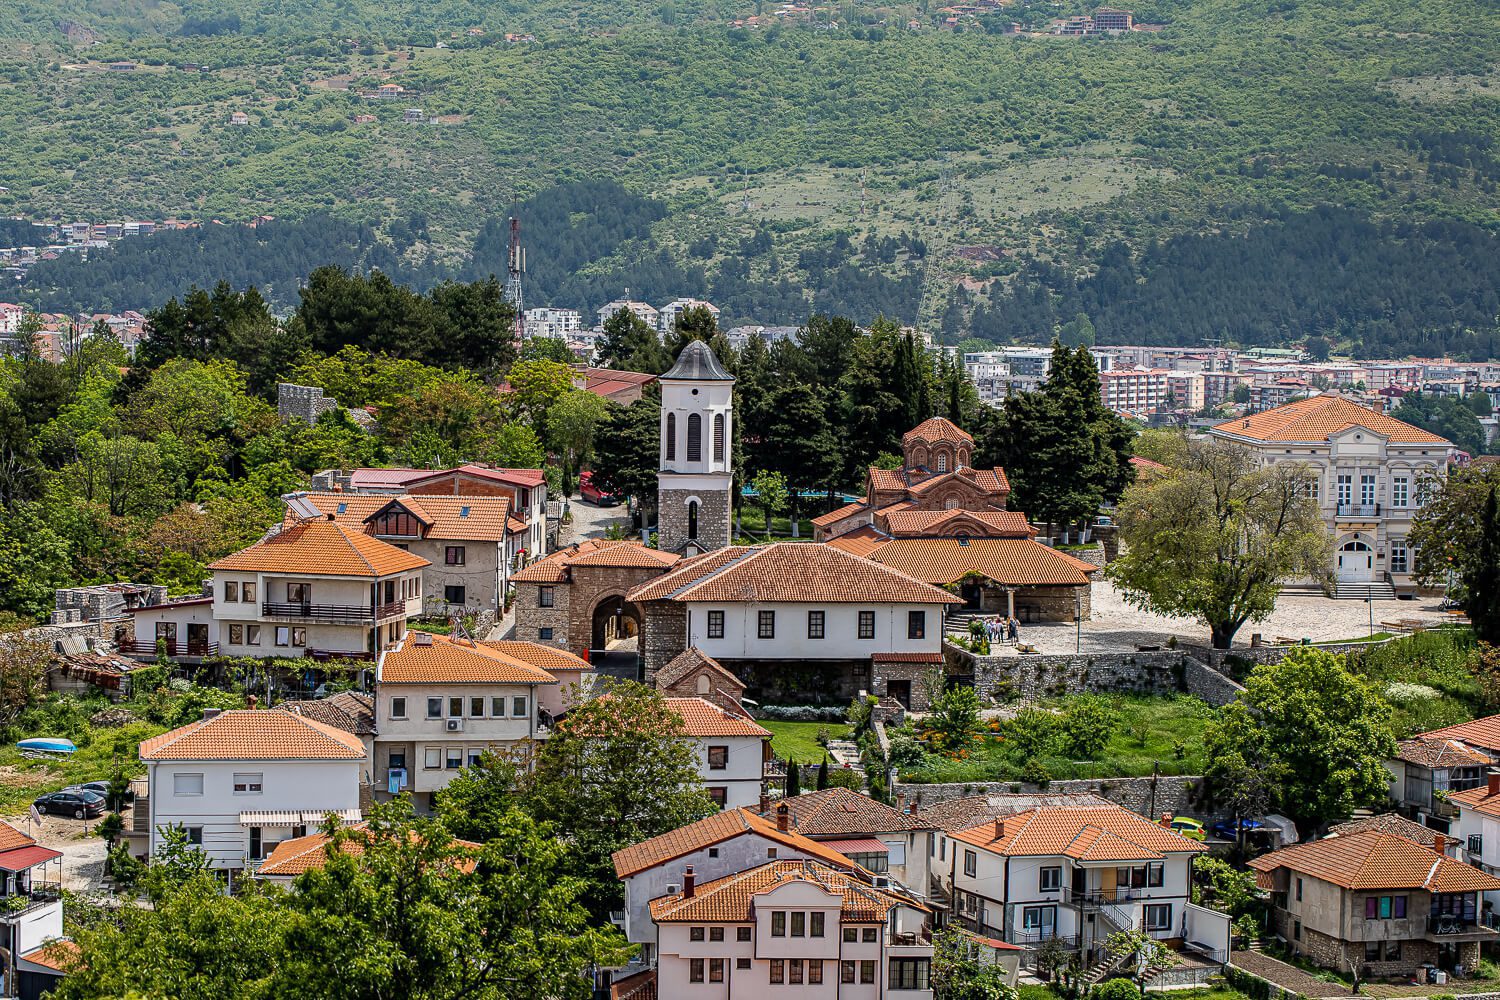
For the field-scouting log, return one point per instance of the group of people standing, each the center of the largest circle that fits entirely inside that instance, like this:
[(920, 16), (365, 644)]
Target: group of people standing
[(1001, 629)]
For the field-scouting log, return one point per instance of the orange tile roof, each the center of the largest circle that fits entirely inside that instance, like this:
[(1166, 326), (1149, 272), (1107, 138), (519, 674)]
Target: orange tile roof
[(641, 986), (1478, 799), (703, 718), (1371, 859), (300, 854), (789, 571), (479, 518), (861, 541), (938, 429), (595, 552), (1320, 417), (716, 829), (996, 523), (732, 898), (547, 658), (1095, 833), (1432, 752), (1018, 561), (56, 955), (1483, 733), (254, 734), (841, 812), (526, 478), (834, 516), (321, 548), (1386, 823), (445, 660), (11, 838), (895, 479), (990, 480)]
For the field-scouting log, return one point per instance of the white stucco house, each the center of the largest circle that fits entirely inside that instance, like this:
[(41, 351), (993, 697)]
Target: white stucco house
[(239, 782), (731, 749)]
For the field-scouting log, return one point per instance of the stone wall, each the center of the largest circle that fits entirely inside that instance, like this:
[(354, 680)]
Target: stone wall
[(1050, 604), (106, 601), (672, 519), (305, 402), (1008, 678), (531, 617), (1216, 658), (1173, 793), (663, 635)]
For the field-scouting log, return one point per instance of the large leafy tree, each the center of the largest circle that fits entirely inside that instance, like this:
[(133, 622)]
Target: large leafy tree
[(616, 770), (631, 344), (627, 448), (1216, 536), (1444, 415), (1456, 539), (1322, 731)]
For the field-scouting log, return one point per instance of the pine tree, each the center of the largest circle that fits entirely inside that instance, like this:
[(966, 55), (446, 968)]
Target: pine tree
[(823, 774), (1484, 583), (793, 779)]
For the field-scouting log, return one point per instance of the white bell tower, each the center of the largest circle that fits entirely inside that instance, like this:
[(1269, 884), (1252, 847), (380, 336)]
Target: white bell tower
[(696, 469)]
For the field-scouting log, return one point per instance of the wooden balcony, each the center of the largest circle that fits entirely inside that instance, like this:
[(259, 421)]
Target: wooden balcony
[(172, 647), (333, 614)]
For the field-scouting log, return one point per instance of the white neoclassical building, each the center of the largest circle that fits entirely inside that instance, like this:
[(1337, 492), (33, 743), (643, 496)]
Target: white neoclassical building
[(1373, 474)]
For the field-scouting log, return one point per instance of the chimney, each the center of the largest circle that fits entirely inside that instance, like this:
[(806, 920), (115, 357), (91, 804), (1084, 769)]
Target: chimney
[(999, 828), (1440, 844), (211, 713), (901, 802), (688, 880), (1166, 819), (783, 818), (330, 517), (765, 803), (251, 701), (1492, 782)]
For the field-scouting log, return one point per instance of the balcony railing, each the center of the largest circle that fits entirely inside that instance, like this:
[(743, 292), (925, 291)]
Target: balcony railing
[(1358, 510), (173, 647), (1095, 900), (353, 614), (40, 894), (338, 654)]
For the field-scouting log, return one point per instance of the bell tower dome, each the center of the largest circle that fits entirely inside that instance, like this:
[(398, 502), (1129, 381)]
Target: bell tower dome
[(696, 469)]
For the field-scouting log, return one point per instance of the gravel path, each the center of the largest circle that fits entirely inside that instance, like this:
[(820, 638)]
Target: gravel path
[(83, 853), (1115, 626)]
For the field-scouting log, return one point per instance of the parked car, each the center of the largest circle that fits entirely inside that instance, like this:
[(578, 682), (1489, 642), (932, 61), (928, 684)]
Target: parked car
[(1188, 827), (1224, 830), (101, 789), (78, 803), (593, 494)]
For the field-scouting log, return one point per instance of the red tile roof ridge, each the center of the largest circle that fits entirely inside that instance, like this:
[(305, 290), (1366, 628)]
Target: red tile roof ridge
[(236, 742), (712, 830)]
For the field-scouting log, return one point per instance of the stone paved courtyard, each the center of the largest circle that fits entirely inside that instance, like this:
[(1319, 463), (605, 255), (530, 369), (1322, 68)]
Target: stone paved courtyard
[(1115, 626)]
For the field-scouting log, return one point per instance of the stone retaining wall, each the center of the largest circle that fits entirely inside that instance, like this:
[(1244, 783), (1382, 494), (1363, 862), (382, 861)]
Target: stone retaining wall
[(1166, 672), (1272, 654), (1173, 793)]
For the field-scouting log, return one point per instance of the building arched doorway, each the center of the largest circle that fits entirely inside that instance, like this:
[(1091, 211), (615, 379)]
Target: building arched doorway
[(1356, 563), (614, 642)]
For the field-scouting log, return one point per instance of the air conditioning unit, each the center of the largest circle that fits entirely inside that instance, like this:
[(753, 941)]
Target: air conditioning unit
[(673, 888), (455, 725)]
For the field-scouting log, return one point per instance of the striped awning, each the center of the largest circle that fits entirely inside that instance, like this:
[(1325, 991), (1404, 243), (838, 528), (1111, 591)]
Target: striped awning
[(270, 818), (344, 815)]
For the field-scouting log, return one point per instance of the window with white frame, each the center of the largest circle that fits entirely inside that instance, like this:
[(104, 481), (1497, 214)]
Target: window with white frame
[(1346, 490), (1399, 558), (1158, 916), (518, 708), (1367, 490), (1051, 878), (398, 708), (432, 758), (249, 783), (1400, 491), (187, 784), (434, 708)]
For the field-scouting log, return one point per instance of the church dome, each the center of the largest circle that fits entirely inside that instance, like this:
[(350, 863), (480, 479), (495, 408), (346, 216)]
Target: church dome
[(697, 363)]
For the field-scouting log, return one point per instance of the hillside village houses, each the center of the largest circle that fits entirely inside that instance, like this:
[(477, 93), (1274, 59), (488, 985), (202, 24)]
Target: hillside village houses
[(1373, 475), (31, 915)]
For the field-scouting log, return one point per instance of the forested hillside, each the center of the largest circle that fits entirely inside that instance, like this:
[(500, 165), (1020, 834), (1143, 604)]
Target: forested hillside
[(854, 168)]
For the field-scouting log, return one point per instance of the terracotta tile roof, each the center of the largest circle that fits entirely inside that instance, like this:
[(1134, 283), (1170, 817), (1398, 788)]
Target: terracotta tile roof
[(906, 657), (1019, 561), (56, 955), (1113, 833), (1482, 733), (515, 524), (732, 898), (896, 479), (990, 480), (444, 660), (1320, 417), (321, 548), (1384, 823), (525, 478), (300, 854), (11, 838), (385, 478), (704, 719), (938, 429), (254, 734), (1478, 799), (1371, 859), (983, 523), (547, 658), (1146, 465), (860, 542), (351, 711), (689, 660), (478, 518), (641, 986), (788, 571), (595, 552), (841, 812), (716, 829), (834, 516), (1429, 752)]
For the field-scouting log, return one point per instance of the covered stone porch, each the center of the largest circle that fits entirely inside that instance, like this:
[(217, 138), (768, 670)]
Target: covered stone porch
[(1025, 602)]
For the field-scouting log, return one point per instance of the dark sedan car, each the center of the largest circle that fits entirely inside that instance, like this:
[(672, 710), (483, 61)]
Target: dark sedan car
[(78, 803)]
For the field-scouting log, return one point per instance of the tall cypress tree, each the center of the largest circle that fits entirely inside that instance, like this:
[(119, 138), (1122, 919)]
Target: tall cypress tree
[(793, 779)]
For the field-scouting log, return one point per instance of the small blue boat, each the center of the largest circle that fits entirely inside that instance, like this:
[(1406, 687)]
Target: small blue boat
[(46, 744)]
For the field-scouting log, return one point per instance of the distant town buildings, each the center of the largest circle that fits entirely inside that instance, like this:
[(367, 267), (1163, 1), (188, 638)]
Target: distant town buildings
[(554, 324)]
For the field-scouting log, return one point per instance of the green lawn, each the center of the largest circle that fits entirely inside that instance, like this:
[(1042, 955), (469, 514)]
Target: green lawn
[(799, 740), (1148, 733), (22, 780)]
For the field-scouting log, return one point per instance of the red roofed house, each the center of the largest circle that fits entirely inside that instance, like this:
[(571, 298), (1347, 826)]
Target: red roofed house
[(1076, 874), (440, 702), (471, 542), (239, 782), (31, 912), (1376, 900), (731, 748), (314, 588), (1372, 473)]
